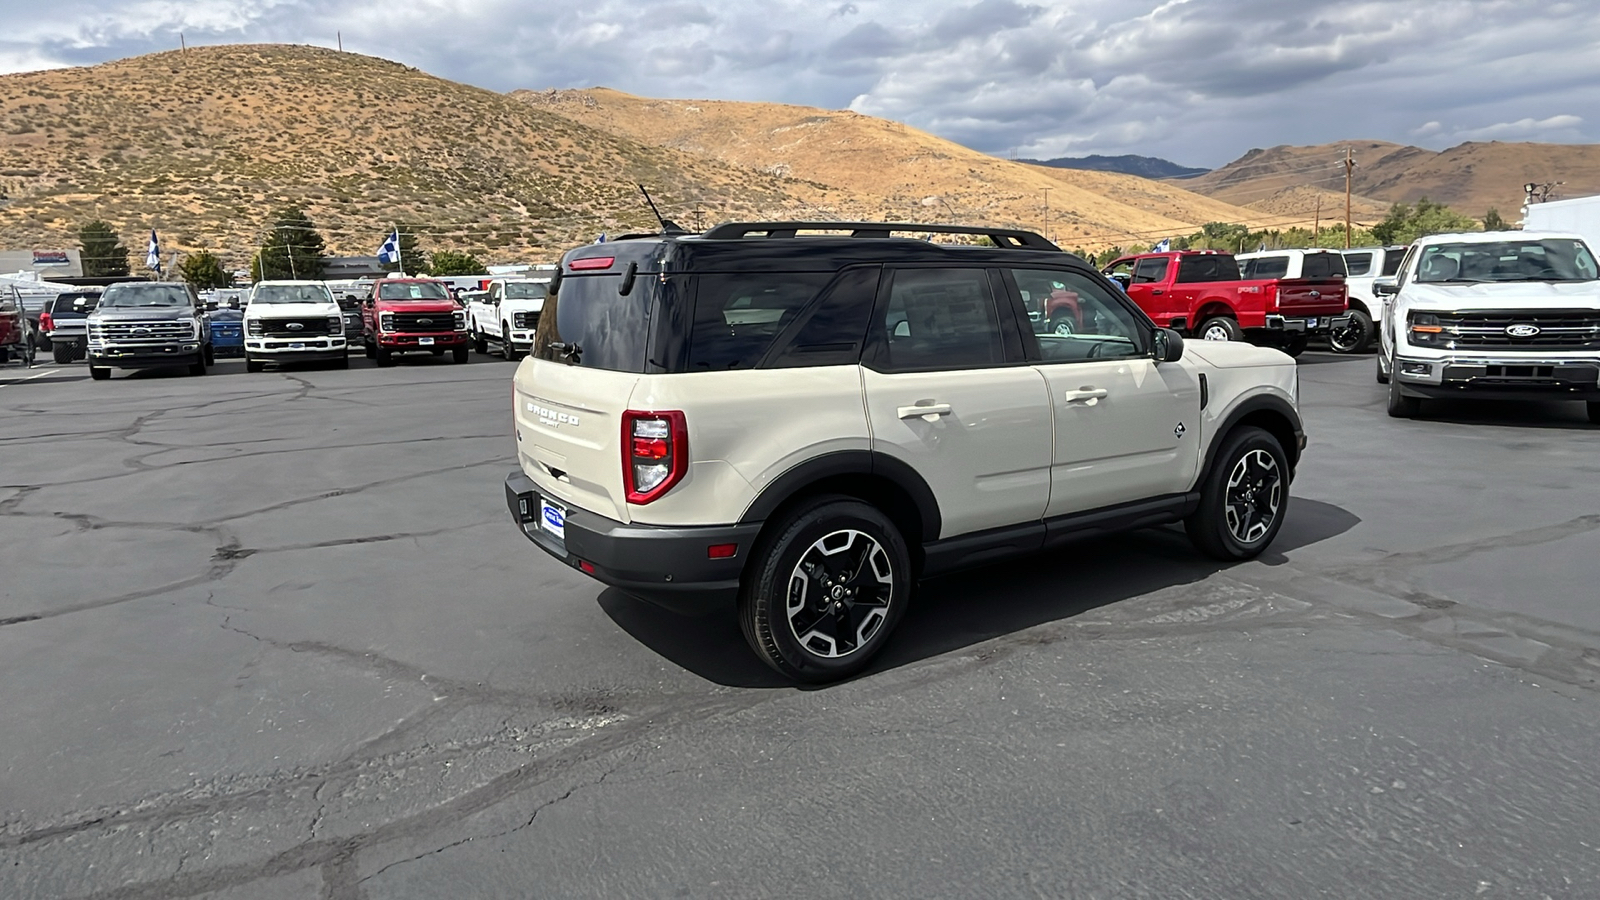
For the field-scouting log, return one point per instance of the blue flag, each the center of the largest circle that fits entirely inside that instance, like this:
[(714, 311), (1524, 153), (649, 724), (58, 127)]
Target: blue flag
[(389, 253), (601, 239), (1163, 247), (152, 253)]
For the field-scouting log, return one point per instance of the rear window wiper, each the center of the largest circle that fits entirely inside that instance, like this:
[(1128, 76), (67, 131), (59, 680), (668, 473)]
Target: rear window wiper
[(571, 353)]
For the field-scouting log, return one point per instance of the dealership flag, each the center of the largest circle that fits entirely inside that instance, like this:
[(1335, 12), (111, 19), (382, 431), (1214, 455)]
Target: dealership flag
[(389, 253), (1164, 246), (152, 254)]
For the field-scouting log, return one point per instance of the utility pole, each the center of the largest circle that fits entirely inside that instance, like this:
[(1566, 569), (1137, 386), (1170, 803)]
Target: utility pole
[(1349, 169), (1047, 214), (1316, 227), (339, 36)]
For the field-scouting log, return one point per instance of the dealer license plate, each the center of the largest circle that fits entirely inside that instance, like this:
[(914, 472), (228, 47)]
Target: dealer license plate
[(1311, 322), (553, 519), (425, 342)]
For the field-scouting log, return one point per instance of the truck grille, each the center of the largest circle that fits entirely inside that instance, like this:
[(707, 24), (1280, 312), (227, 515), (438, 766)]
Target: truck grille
[(424, 323), (308, 327), (162, 332), (1557, 329)]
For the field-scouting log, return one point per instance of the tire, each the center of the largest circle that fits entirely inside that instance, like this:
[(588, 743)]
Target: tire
[(342, 362), (437, 351), (1594, 411), (255, 365), (1221, 328), (1383, 377), (833, 544), (1401, 406), (384, 357), (1354, 339), (1243, 499), (211, 354), (99, 374), (459, 354), (1062, 324), (480, 342), (1294, 345), (198, 367), (370, 349), (61, 352), (507, 349)]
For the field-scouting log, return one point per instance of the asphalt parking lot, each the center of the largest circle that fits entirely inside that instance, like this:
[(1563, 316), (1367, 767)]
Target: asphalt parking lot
[(273, 635)]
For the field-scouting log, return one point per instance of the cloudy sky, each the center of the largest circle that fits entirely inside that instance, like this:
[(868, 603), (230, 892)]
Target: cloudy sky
[(1195, 81)]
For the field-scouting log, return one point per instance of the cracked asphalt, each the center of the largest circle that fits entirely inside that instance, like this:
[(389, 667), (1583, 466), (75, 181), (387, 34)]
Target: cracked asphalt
[(273, 635)]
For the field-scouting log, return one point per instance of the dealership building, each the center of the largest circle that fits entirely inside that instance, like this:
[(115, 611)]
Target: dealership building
[(47, 264)]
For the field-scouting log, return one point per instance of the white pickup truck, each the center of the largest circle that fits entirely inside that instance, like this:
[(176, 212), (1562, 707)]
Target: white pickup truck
[(1365, 266), (1509, 315), (506, 312), (1355, 335)]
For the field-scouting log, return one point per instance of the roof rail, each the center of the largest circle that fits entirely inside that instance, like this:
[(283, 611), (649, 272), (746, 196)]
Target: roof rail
[(1010, 238)]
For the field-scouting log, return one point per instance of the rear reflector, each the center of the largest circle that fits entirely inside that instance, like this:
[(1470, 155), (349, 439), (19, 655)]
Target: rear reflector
[(586, 567), (722, 551), (593, 262)]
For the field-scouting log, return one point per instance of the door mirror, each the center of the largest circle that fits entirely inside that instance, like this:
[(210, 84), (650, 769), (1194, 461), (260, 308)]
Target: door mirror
[(1166, 345), (1122, 279), (1387, 286)]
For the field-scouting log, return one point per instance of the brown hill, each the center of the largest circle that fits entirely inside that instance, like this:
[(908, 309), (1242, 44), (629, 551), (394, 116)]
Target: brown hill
[(207, 145), (1470, 177), (842, 165)]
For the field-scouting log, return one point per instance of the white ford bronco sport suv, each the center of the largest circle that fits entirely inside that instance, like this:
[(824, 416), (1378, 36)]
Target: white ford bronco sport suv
[(806, 423), (1510, 315), (293, 321)]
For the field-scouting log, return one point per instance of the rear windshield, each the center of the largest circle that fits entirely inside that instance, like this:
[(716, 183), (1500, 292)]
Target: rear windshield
[(606, 329), (1266, 267), (416, 290), (67, 304), (290, 293), (1358, 263), (128, 296), (1323, 265), (526, 290)]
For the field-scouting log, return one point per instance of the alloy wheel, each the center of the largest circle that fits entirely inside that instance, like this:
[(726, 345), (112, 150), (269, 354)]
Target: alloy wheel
[(839, 593), (1254, 495), (1346, 339), (1215, 333)]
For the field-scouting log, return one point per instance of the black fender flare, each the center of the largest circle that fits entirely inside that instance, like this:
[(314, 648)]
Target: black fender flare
[(1267, 404), (849, 462)]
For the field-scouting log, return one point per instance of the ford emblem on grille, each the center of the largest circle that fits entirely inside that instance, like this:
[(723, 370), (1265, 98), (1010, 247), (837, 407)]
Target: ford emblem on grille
[(295, 326), (424, 321), (141, 331), (1522, 330)]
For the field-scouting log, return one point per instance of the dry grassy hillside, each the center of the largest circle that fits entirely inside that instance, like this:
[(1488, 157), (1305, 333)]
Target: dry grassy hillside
[(207, 145), (1470, 177), (877, 169)]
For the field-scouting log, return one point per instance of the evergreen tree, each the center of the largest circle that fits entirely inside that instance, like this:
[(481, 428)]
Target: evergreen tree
[(103, 253), (1493, 222), (450, 262), (204, 270), (293, 248)]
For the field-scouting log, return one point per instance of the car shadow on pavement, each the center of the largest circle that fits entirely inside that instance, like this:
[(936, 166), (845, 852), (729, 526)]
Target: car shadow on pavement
[(970, 607), (1567, 415)]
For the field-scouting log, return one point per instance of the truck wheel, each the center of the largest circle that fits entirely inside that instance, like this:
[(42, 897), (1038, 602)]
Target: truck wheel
[(254, 365), (458, 354), (211, 354), (822, 594), (480, 342), (384, 357), (508, 350), (342, 362), (1294, 344), (61, 352), (1353, 338), (1062, 324), (198, 367), (1221, 328), (370, 350), (98, 373), (1243, 498), (1401, 406), (1594, 411)]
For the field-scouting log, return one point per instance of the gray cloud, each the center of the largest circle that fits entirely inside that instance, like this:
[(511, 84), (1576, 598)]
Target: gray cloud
[(1198, 81)]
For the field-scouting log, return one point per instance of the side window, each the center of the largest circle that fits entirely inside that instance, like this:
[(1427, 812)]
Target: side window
[(937, 319), (1322, 265), (1197, 269), (1263, 267), (737, 317), (833, 332), (1358, 264), (1122, 268), (1089, 324), (1150, 270)]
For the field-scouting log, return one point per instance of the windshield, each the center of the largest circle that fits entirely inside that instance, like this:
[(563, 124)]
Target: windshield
[(291, 293), (526, 290), (608, 330), (413, 290), (128, 296), (1479, 262)]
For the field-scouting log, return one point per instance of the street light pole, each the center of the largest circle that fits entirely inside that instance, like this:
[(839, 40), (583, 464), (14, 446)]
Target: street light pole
[(1047, 213)]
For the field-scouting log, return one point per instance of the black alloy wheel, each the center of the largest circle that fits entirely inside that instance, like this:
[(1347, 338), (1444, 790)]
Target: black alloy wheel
[(1355, 337), (480, 341), (384, 357), (1244, 497), (822, 595), (62, 352)]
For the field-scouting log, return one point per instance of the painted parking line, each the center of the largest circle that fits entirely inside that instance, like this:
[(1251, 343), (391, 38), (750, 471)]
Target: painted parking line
[(6, 384)]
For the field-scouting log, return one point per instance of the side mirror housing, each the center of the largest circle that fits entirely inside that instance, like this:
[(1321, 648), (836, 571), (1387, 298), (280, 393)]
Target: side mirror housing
[(1166, 345), (1386, 286)]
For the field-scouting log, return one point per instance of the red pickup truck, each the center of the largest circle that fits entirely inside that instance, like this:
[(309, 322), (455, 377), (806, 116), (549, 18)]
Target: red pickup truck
[(406, 315), (1200, 291)]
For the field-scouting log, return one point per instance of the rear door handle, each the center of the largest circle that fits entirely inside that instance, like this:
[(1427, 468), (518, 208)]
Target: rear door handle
[(928, 412), (1089, 395)]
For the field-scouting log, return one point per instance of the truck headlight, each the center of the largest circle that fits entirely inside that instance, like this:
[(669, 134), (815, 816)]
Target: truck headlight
[(336, 324), (254, 327), (386, 322), (1427, 331), (461, 320)]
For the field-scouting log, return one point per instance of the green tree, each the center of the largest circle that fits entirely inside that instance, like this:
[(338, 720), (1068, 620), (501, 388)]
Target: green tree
[(1405, 224), (451, 262), (103, 253), (204, 270), (1493, 222), (293, 248)]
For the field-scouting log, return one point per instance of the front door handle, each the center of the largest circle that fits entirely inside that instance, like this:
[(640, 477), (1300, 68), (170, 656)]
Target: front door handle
[(1086, 395), (928, 412), (1157, 292)]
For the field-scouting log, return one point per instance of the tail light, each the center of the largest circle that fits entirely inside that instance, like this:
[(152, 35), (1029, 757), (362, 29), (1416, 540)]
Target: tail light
[(46, 323), (655, 453), (1269, 296)]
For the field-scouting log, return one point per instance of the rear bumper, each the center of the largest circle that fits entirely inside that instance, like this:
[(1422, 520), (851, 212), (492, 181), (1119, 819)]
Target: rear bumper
[(667, 566), (1308, 324), (1499, 376)]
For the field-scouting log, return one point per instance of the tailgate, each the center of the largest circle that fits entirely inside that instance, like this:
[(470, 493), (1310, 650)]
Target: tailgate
[(569, 432), (1311, 296)]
